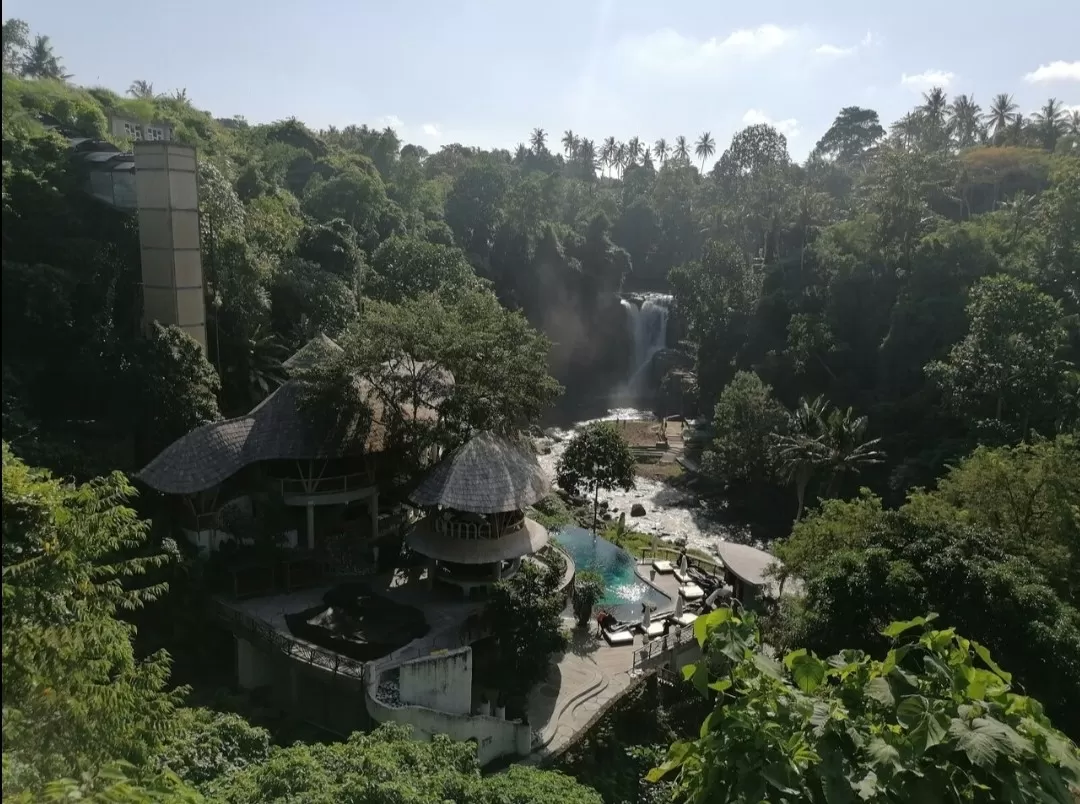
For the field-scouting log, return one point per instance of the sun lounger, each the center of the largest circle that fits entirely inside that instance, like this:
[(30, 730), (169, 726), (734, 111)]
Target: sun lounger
[(655, 629), (691, 591), (682, 577), (663, 566), (616, 638), (686, 618)]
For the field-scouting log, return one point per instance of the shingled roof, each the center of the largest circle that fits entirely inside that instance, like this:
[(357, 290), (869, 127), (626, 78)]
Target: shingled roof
[(311, 353), (277, 429), (487, 475)]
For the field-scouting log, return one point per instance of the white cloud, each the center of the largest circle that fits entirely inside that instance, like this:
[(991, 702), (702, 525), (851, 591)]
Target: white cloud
[(928, 79), (837, 52), (432, 130), (789, 127), (1055, 71), (391, 121), (668, 52)]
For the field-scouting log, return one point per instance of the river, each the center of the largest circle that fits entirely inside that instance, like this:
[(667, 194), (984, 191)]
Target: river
[(671, 513)]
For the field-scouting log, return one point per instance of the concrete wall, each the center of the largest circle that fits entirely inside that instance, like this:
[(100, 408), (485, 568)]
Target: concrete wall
[(494, 737), (442, 682), (253, 666)]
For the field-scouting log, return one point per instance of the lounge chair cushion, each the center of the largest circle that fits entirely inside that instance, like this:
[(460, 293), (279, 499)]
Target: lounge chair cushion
[(691, 591), (662, 566), (655, 629), (686, 618), (619, 637), (682, 577)]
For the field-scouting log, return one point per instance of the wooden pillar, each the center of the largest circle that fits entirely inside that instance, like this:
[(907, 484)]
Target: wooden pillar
[(311, 525)]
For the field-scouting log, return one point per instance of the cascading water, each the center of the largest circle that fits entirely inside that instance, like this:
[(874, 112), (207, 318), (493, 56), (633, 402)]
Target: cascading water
[(648, 332)]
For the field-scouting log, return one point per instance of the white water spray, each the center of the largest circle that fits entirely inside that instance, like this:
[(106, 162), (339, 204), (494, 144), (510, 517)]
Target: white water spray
[(648, 332)]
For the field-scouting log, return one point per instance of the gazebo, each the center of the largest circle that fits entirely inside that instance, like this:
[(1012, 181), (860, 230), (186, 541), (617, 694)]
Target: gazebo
[(475, 531)]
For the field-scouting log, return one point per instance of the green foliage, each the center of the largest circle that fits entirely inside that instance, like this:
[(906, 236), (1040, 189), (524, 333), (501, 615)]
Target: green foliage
[(589, 589), (596, 458), (525, 615), (405, 268), (75, 695), (206, 745), (746, 421), (936, 720), (971, 550)]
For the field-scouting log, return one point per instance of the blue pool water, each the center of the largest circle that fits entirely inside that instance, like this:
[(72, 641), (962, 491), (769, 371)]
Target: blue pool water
[(625, 591)]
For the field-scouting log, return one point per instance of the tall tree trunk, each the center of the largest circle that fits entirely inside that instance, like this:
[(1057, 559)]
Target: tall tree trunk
[(595, 504), (801, 483)]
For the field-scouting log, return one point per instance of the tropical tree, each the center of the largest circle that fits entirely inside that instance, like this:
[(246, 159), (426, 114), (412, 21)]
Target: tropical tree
[(746, 421), (965, 121), (142, 90), (633, 151), (801, 450), (621, 158), (596, 458), (1051, 122), (569, 143), (704, 148), (660, 150), (682, 150), (589, 589), (16, 40), (1000, 116), (538, 140), (586, 156), (41, 62), (935, 719), (847, 449), (607, 152)]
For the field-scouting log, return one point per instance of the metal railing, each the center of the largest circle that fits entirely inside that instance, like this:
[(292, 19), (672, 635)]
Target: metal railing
[(464, 529), (265, 634), (336, 484), (706, 565), (660, 645)]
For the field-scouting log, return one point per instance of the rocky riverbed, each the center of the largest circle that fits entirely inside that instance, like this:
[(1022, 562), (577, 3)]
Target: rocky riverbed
[(670, 513)]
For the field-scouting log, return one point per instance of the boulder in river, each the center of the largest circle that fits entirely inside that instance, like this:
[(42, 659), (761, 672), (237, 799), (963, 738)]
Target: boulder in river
[(637, 509)]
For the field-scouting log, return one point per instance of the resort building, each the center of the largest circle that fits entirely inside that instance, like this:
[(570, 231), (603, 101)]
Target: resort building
[(475, 532)]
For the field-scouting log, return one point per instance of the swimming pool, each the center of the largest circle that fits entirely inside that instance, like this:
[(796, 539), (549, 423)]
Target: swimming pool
[(625, 590)]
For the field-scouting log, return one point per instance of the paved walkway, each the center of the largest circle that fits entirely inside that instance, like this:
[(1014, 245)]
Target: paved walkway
[(583, 680)]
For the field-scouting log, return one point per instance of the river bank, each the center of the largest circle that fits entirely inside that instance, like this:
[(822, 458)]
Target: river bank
[(672, 512)]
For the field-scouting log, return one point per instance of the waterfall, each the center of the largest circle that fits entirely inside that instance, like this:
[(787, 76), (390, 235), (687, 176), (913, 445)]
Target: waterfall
[(648, 332)]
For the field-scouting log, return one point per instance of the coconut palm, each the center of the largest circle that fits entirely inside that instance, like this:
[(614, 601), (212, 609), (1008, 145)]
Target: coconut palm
[(141, 89), (849, 450), (646, 159), (538, 140), (801, 451), (965, 121), (660, 150), (1074, 124), (41, 62), (569, 143), (1051, 123), (586, 155), (682, 151), (1018, 130), (1002, 111), (620, 157), (704, 148), (935, 106), (633, 151), (607, 152)]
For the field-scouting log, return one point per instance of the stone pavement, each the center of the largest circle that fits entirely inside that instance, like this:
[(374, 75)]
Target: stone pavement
[(580, 683)]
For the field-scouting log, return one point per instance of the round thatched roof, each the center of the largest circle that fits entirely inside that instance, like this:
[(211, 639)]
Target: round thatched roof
[(488, 475), (427, 541)]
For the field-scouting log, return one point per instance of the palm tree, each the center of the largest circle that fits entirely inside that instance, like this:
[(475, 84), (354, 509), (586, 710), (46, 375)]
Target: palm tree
[(1018, 130), (586, 154), (965, 121), (620, 157), (682, 152), (1051, 123), (141, 89), (848, 448), (538, 140), (1074, 124), (935, 106), (40, 62), (646, 159), (660, 150), (1000, 115), (607, 152), (801, 450), (704, 148), (522, 153), (1021, 211), (633, 151), (569, 143)]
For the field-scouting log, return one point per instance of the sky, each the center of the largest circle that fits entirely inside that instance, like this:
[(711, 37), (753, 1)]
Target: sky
[(485, 72)]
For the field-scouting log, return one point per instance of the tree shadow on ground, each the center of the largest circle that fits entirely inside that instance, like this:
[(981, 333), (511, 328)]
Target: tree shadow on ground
[(583, 641)]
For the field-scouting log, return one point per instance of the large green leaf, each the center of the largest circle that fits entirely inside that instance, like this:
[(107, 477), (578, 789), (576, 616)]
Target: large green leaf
[(984, 740), (881, 691), (677, 754), (883, 754), (808, 672), (912, 710), (897, 628), (984, 654), (704, 625)]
